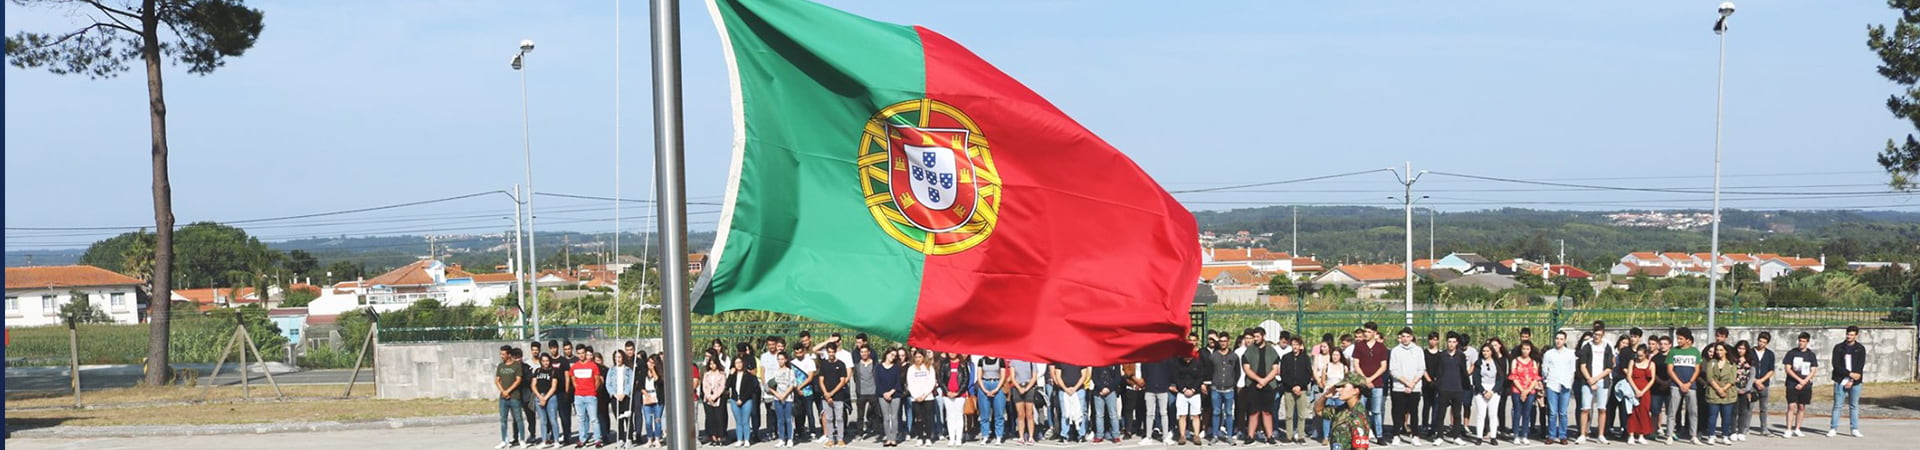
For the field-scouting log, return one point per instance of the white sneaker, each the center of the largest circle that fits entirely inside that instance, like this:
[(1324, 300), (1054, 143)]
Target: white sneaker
[(1832, 432), (1856, 433), (1148, 441), (503, 444)]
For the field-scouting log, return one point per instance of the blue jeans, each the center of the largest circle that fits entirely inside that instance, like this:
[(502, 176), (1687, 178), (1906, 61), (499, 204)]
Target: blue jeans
[(1376, 409), (586, 417), (1849, 397), (549, 420), (993, 412), (654, 415), (742, 420), (510, 407), (1106, 416), (783, 419), (1053, 412), (1557, 414), (1719, 420), (1222, 414), (1523, 413)]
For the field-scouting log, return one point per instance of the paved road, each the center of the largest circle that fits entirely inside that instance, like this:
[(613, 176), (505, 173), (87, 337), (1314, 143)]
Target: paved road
[(48, 381), (1881, 434)]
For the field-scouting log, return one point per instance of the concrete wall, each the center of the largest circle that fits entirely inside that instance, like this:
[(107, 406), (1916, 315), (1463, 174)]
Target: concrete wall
[(1891, 354), (454, 369)]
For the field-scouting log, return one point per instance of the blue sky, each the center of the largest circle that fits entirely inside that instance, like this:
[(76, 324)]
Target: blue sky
[(352, 104)]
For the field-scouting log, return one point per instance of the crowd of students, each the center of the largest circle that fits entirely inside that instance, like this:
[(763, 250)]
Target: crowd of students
[(1635, 389)]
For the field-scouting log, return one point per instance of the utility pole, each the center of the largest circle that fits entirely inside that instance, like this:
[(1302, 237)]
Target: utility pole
[(1296, 232), (1430, 238), (1407, 181)]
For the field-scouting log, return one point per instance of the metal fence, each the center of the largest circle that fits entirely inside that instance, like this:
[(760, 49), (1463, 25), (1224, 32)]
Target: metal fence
[(726, 331), (1505, 323)]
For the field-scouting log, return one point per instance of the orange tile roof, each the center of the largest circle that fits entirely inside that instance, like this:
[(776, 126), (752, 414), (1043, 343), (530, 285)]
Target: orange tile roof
[(213, 295), (1677, 256), (414, 275), (1739, 257), (1239, 274), (1247, 254), (1644, 255), (1374, 272), (1766, 256), (1422, 264), (1797, 262), (41, 277), (1307, 264), (303, 287), (696, 258), (500, 277), (562, 276)]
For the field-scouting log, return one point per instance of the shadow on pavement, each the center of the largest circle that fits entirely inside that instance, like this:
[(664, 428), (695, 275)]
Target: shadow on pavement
[(15, 425)]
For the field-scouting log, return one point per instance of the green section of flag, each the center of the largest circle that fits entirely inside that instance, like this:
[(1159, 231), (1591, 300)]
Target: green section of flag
[(800, 239)]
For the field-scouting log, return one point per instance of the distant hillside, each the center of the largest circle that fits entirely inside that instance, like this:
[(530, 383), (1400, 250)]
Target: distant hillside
[(59, 257), (477, 252), (1355, 233)]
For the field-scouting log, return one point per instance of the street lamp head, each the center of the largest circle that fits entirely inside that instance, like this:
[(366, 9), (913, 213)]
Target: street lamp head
[(516, 61), (1726, 9), (526, 45)]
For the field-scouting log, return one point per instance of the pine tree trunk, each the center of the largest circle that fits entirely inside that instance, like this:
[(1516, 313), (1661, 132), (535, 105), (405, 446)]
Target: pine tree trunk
[(157, 370)]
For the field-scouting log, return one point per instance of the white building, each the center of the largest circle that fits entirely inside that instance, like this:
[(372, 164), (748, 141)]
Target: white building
[(400, 288), (36, 294)]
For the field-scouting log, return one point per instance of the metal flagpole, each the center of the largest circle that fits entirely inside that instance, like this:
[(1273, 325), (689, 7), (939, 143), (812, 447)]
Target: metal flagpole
[(1719, 102), (669, 168), (615, 259)]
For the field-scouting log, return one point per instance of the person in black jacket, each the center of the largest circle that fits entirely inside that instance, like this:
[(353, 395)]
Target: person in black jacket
[(1450, 378), (1106, 403), (1189, 374), (1596, 360), (1296, 373), (743, 389), (1849, 361)]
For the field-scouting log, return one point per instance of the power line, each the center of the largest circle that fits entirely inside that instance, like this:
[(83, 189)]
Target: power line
[(1619, 188), (1271, 183), (626, 200), (271, 219)]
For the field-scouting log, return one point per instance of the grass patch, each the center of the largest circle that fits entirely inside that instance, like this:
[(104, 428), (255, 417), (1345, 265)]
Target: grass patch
[(165, 406)]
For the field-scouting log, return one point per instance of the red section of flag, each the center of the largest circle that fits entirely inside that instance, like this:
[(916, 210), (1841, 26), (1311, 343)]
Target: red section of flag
[(1090, 263)]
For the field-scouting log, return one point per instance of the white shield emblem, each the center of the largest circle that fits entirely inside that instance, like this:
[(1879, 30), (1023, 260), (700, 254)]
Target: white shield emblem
[(933, 176)]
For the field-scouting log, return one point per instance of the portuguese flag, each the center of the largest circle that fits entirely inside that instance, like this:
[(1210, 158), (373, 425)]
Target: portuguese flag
[(886, 179)]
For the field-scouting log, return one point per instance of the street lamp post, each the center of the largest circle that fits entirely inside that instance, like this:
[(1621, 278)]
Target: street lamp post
[(1407, 181), (526, 139), (519, 255), (1719, 102)]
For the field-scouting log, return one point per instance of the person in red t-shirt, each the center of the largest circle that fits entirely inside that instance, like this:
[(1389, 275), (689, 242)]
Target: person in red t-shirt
[(586, 378), (1370, 355)]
